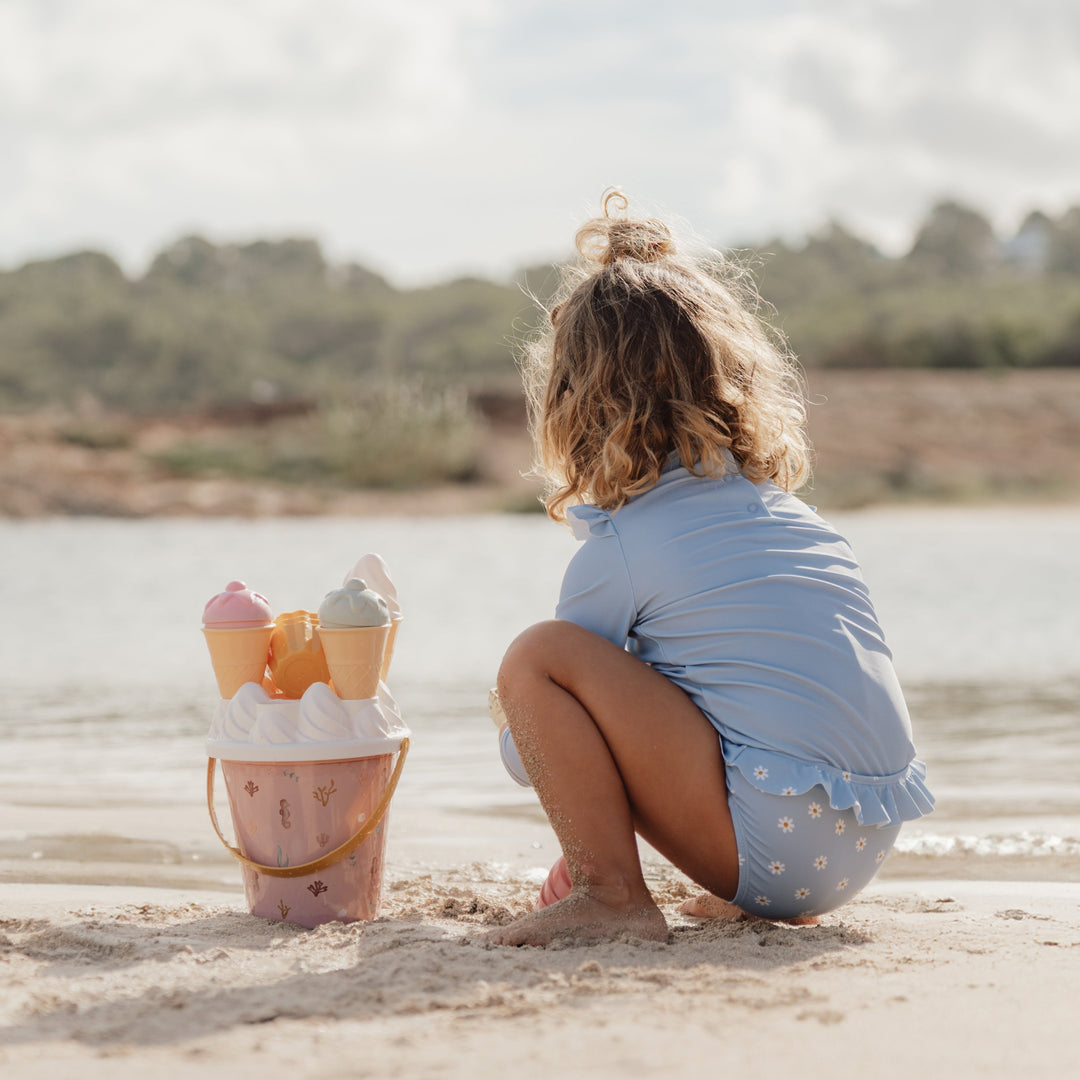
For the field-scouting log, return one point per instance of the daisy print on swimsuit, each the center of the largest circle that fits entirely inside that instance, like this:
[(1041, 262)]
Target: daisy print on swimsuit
[(860, 844), (786, 825), (821, 862), (764, 901), (776, 868), (761, 773), (802, 894), (840, 827), (843, 884), (814, 810)]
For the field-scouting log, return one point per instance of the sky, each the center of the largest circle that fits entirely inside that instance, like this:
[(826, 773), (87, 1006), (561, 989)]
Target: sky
[(434, 138)]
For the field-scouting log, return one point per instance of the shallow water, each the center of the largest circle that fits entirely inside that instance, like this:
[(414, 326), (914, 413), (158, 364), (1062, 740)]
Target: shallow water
[(108, 688)]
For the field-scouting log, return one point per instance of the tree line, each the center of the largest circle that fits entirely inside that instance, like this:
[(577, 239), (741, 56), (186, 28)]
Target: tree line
[(213, 325)]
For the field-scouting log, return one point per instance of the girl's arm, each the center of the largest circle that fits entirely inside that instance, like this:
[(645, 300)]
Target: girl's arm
[(597, 592)]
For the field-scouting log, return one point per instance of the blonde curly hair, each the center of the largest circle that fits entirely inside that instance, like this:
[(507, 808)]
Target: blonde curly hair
[(647, 352)]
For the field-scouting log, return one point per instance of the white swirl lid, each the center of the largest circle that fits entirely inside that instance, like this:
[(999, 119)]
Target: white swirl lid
[(318, 727)]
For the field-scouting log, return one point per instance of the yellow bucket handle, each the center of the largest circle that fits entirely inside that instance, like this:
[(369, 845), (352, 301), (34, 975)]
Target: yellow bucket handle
[(330, 857)]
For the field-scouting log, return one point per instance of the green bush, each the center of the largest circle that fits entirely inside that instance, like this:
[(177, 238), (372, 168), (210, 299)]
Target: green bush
[(211, 325)]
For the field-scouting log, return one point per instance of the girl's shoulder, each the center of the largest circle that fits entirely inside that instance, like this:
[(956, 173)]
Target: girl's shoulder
[(682, 498), (677, 495)]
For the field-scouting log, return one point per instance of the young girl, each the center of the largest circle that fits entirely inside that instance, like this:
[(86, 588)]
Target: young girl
[(715, 679)]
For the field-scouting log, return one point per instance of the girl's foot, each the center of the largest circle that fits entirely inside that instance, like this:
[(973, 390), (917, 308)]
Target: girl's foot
[(707, 906), (581, 916)]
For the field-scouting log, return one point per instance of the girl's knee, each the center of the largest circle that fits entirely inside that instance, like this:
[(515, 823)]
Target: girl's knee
[(528, 653), (545, 650)]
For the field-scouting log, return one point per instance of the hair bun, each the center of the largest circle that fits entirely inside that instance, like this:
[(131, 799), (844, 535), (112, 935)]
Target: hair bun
[(608, 239), (645, 241)]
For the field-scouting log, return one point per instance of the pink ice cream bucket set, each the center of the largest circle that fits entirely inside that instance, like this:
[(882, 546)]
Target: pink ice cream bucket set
[(311, 744)]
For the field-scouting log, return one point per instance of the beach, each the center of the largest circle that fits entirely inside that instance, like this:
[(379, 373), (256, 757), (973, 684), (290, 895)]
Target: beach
[(944, 978), (126, 948)]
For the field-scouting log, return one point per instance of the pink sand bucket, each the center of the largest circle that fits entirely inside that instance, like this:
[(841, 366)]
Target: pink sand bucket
[(310, 815)]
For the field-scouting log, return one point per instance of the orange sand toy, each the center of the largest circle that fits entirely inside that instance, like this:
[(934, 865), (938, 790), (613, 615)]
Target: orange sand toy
[(296, 653), (355, 656), (238, 656)]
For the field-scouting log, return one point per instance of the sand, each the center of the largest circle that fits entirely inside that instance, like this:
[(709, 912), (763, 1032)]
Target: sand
[(938, 978)]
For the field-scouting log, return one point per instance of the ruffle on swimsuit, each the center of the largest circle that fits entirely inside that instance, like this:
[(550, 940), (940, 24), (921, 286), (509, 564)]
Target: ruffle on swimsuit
[(588, 520), (877, 800)]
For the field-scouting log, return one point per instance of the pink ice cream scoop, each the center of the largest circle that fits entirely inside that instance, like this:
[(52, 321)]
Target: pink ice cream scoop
[(237, 608)]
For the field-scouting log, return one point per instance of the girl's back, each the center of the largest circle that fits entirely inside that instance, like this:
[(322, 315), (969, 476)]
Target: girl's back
[(743, 596)]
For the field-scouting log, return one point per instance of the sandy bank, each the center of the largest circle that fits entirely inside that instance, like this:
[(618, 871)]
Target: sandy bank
[(945, 979), (881, 436)]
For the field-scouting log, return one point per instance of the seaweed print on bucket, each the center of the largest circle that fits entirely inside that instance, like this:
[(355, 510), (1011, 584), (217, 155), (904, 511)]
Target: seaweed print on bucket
[(322, 794)]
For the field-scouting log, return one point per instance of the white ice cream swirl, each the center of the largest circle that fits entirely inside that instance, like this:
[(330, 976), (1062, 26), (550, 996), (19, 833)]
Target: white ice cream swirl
[(242, 711), (273, 727), (322, 716)]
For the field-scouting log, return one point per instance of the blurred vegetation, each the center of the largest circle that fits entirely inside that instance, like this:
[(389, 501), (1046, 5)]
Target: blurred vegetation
[(398, 436), (367, 384), (960, 298), (211, 325)]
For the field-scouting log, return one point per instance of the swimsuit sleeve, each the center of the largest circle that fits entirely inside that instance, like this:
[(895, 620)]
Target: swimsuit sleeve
[(596, 591)]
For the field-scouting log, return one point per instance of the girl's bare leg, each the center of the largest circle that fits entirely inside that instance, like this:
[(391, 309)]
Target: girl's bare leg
[(613, 746)]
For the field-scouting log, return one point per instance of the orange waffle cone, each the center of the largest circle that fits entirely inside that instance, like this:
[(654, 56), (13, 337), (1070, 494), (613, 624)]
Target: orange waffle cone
[(388, 651), (238, 656), (354, 657)]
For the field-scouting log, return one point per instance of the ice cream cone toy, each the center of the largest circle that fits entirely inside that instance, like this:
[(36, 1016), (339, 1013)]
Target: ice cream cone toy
[(388, 650), (237, 624), (296, 653), (372, 569), (354, 623)]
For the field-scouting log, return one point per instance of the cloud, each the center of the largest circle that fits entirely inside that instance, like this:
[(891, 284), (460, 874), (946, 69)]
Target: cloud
[(229, 117), (871, 111), (430, 136)]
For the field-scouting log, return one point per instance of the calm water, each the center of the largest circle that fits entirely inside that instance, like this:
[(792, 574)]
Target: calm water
[(104, 667)]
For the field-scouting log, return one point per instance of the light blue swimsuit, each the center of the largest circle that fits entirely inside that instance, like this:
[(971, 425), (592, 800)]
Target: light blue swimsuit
[(744, 597)]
